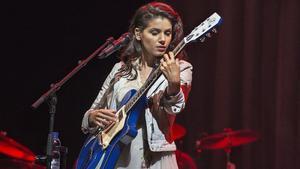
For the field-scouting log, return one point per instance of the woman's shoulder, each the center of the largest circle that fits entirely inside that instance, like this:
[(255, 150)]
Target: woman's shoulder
[(186, 71), (117, 66), (185, 65)]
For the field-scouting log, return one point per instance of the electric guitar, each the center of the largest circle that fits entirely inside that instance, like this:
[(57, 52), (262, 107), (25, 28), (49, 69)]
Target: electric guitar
[(103, 148)]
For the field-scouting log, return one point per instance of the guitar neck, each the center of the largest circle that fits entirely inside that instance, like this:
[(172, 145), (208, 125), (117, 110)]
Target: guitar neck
[(151, 80)]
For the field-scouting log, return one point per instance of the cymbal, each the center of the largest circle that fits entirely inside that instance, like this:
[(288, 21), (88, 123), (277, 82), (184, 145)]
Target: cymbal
[(184, 160), (19, 164), (178, 131), (228, 139), (11, 148)]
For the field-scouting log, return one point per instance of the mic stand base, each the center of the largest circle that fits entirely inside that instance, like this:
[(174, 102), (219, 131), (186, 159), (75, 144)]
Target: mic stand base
[(52, 101)]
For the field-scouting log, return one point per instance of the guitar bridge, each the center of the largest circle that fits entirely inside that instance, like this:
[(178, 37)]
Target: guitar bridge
[(108, 133)]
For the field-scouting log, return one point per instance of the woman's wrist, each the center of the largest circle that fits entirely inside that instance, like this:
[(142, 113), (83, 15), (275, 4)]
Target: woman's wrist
[(91, 124), (173, 89)]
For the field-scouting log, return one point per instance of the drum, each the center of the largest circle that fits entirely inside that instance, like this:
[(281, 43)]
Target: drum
[(18, 164)]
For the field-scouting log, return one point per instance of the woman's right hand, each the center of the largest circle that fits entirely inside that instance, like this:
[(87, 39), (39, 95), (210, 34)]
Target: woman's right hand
[(102, 117)]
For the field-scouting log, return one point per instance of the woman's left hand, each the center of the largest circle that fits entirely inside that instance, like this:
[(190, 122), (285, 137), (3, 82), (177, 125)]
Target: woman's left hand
[(170, 68)]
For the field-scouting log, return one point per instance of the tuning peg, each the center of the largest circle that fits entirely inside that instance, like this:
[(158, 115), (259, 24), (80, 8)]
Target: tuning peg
[(208, 35), (214, 30), (202, 39)]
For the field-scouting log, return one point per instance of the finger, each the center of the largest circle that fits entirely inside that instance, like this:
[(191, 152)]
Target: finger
[(99, 124), (103, 121), (160, 93), (162, 69), (172, 56), (167, 58), (153, 98), (109, 118), (162, 60), (108, 112), (164, 64), (156, 100), (151, 108), (177, 61)]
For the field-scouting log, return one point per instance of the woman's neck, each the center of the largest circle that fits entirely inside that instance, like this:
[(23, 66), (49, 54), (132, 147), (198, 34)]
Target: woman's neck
[(148, 61), (145, 67)]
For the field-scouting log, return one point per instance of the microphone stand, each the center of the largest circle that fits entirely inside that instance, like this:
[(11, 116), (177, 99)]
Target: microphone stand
[(51, 98)]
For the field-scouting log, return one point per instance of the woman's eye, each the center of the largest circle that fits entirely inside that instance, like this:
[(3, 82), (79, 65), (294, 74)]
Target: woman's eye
[(154, 32), (168, 33)]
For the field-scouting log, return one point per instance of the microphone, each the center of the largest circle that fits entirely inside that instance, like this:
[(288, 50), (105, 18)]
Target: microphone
[(115, 45)]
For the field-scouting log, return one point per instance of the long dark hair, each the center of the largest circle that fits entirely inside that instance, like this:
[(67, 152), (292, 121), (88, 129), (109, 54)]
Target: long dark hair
[(140, 20)]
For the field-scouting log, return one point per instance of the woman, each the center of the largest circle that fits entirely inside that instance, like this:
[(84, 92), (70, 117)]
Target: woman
[(156, 29)]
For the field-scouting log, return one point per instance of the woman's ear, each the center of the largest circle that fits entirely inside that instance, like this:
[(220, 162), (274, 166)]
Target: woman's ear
[(137, 34)]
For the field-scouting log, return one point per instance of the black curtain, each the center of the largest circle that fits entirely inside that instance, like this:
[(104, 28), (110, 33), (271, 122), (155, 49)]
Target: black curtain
[(247, 77)]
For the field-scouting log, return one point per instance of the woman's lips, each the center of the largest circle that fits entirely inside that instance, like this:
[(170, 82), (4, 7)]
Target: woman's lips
[(161, 48)]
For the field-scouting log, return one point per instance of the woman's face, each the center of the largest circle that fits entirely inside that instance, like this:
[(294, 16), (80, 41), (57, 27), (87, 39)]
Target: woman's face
[(156, 37)]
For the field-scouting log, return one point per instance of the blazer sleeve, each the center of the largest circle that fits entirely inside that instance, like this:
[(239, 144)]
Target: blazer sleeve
[(176, 103), (85, 120)]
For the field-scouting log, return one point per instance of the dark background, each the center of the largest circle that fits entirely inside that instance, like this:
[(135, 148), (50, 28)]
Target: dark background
[(245, 77)]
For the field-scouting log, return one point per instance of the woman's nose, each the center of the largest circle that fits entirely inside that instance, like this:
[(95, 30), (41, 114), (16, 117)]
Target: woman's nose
[(162, 38)]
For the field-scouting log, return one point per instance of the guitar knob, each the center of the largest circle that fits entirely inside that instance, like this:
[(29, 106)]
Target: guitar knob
[(208, 35)]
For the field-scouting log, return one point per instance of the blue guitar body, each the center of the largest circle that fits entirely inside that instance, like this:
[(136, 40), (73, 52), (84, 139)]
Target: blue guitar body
[(92, 154)]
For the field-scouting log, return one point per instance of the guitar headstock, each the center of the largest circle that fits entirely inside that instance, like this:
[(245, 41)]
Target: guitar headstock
[(204, 29)]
